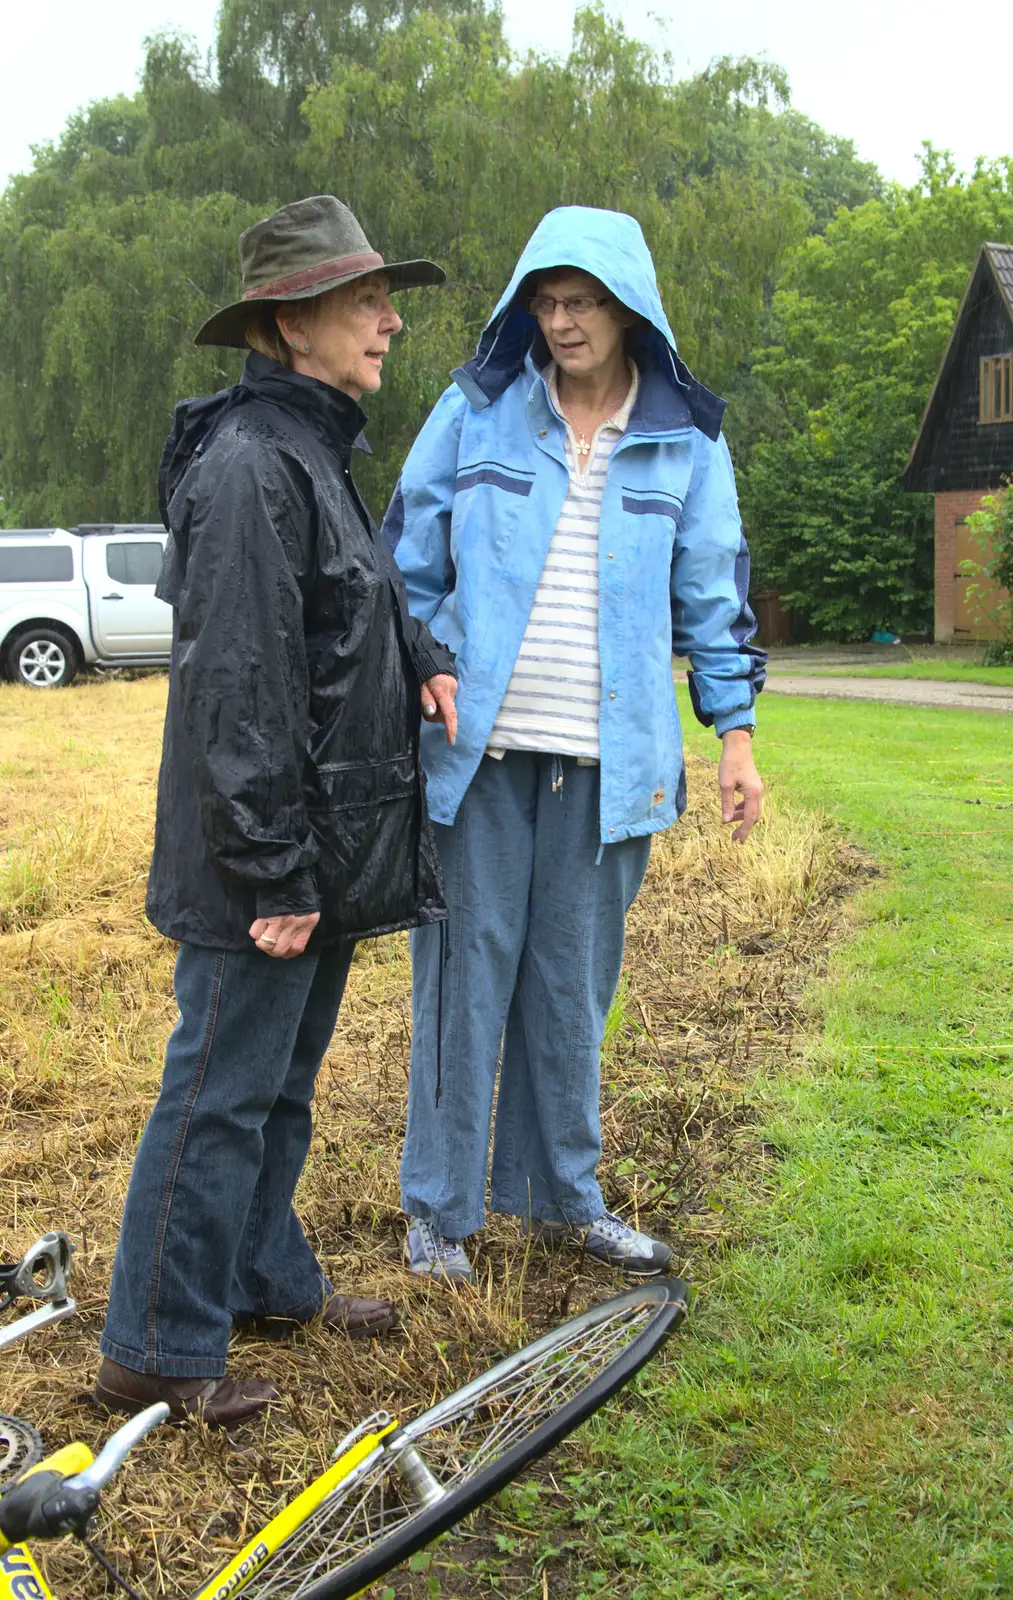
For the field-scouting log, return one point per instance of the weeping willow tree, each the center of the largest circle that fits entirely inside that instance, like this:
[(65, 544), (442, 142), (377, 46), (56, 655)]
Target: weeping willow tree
[(123, 235), (450, 150)]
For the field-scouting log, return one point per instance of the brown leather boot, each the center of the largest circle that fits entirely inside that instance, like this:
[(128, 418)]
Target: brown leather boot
[(360, 1319), (342, 1313), (220, 1402)]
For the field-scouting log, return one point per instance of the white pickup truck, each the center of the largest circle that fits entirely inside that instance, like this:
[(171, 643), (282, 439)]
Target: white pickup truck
[(81, 596)]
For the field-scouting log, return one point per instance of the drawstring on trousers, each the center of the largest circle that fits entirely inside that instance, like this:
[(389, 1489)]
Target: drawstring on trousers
[(557, 776), (444, 958)]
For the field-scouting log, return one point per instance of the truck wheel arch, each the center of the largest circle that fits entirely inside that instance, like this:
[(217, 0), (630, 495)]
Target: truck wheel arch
[(18, 632)]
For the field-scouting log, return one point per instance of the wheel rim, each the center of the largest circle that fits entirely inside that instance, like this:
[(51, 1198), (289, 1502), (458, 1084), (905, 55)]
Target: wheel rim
[(42, 663), (458, 1439), (20, 1448)]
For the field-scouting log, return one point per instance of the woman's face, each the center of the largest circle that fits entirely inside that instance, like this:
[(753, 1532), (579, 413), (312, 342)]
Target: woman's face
[(583, 342), (348, 331)]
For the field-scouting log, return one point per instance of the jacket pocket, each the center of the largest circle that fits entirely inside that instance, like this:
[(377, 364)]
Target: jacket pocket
[(367, 820), (345, 785), (513, 480), (650, 533), (652, 503)]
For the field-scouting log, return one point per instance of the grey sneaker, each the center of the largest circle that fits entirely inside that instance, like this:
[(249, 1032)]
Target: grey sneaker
[(431, 1255), (608, 1240)]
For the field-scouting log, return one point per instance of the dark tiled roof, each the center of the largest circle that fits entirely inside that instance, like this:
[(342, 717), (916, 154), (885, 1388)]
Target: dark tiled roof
[(1000, 257)]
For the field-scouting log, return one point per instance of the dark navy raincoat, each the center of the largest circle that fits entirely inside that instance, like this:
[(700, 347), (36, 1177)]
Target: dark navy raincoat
[(290, 778)]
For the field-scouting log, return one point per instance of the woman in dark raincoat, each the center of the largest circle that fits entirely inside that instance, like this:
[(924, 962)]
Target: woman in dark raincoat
[(291, 816)]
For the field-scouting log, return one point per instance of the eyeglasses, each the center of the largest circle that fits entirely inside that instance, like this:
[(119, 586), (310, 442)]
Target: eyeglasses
[(575, 305)]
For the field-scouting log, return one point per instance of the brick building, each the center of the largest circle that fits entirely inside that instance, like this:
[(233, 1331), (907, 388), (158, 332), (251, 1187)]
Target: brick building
[(964, 446)]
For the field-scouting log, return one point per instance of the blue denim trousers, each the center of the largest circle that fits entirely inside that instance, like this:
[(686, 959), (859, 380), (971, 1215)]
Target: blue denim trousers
[(209, 1234), (530, 962)]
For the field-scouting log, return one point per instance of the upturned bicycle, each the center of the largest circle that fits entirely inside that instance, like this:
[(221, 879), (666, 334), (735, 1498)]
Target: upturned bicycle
[(392, 1487)]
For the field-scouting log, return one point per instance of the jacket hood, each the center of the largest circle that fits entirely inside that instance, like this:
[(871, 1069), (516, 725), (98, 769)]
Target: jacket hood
[(332, 414), (294, 399), (193, 423), (611, 247)]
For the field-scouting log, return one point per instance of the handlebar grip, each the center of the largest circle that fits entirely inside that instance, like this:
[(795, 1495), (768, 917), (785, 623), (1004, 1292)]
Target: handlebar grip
[(40, 1506), (18, 1504), (72, 1458), (60, 1494)]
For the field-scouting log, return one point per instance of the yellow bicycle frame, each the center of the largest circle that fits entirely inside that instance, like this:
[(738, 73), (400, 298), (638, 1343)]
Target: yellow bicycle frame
[(252, 1557), (20, 1578)]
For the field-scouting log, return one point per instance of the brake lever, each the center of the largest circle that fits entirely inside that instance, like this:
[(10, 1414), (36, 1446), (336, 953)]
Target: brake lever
[(44, 1503)]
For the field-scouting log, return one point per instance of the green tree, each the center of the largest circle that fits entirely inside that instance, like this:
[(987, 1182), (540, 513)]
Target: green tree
[(481, 152), (990, 592), (123, 235)]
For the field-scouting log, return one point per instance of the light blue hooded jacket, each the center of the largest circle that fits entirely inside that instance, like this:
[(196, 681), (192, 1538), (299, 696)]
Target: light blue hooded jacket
[(478, 501)]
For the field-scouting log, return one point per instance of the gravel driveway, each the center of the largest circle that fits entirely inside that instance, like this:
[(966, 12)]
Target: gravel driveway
[(897, 691)]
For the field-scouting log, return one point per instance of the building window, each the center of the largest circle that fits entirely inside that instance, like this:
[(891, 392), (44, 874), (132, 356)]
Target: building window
[(996, 402)]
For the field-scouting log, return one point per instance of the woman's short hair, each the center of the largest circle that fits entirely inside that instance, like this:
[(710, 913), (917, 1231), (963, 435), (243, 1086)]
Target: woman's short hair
[(264, 335)]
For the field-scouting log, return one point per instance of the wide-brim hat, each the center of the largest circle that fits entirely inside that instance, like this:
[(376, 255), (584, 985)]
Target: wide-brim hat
[(303, 250)]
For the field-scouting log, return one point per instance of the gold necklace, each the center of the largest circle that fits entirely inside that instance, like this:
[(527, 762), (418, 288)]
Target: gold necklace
[(612, 404)]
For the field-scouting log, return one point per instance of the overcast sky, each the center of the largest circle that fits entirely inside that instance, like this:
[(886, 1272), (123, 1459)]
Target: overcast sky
[(882, 72)]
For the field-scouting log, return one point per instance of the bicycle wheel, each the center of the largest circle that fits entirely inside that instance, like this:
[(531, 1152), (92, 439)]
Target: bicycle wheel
[(20, 1448), (471, 1445)]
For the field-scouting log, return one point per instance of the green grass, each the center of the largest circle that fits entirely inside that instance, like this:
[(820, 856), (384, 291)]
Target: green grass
[(935, 671), (840, 1422)]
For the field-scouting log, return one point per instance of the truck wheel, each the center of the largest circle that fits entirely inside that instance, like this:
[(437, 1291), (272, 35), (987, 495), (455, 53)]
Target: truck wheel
[(42, 658)]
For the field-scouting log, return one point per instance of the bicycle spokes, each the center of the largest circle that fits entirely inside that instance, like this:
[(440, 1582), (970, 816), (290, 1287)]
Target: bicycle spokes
[(415, 1467)]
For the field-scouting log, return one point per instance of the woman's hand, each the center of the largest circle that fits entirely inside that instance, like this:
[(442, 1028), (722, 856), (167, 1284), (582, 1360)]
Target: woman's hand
[(438, 702), (737, 774), (284, 937)]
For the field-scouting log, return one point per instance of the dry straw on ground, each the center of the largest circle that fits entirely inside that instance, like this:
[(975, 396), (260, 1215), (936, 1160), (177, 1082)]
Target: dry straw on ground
[(720, 943)]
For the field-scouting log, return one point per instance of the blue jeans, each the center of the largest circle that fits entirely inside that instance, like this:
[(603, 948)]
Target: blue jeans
[(209, 1233), (535, 943)]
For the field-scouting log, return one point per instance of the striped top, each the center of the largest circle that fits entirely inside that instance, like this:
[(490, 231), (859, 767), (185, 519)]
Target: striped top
[(553, 697)]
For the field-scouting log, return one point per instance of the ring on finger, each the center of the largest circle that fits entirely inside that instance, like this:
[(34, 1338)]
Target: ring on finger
[(265, 938)]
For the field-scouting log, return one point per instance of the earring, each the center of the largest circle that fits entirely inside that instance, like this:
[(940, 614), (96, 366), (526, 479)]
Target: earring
[(294, 345), (306, 348)]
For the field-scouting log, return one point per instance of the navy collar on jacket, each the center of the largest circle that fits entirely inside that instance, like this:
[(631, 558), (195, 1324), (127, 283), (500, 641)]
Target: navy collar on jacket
[(334, 415), (670, 396), (658, 408)]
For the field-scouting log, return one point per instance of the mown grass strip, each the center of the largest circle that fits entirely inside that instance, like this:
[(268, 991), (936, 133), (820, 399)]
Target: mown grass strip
[(935, 671), (840, 1423)]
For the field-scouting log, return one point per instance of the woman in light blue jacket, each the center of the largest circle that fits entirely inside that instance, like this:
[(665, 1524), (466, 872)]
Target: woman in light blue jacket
[(565, 521)]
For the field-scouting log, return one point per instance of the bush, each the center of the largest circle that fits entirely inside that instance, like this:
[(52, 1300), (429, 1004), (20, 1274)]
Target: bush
[(999, 653), (990, 593)]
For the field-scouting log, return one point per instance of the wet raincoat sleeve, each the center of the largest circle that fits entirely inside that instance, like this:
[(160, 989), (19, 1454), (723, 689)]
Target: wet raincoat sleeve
[(711, 620), (243, 678), (428, 656), (417, 524)]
